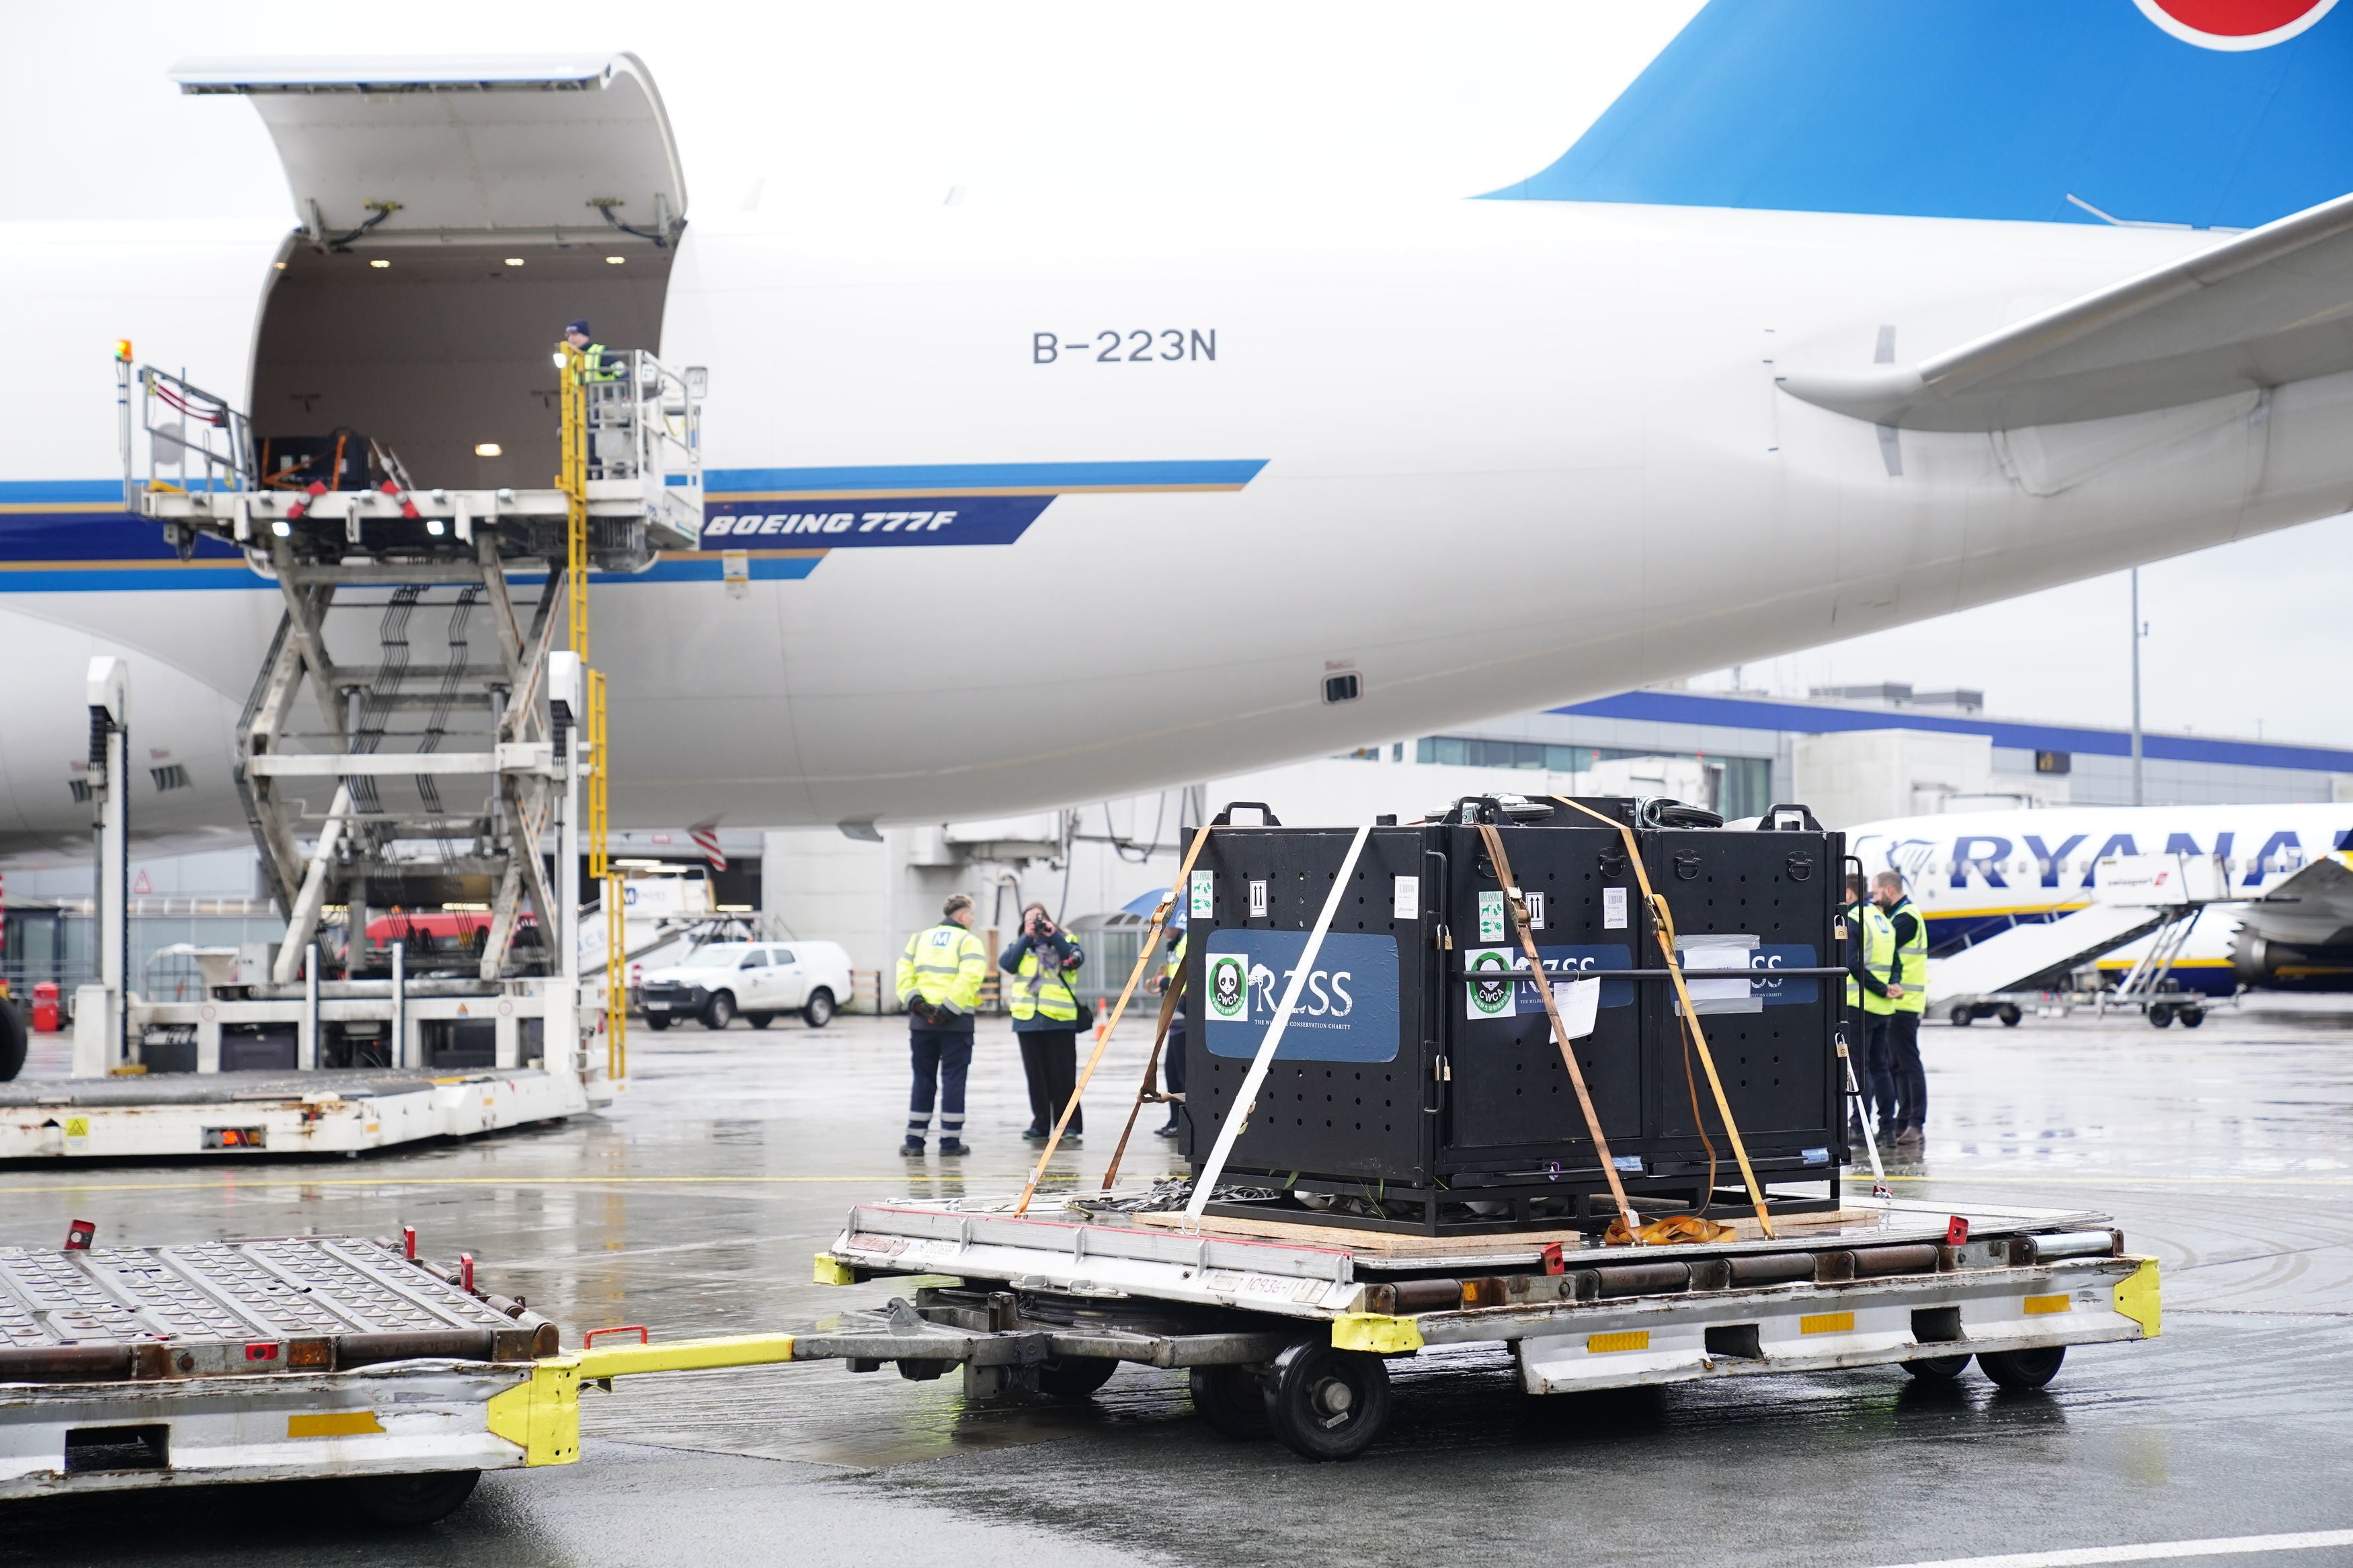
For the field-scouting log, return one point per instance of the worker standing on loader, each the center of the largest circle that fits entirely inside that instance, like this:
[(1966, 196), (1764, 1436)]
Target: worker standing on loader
[(939, 985), (1871, 984), (1910, 930), (602, 364)]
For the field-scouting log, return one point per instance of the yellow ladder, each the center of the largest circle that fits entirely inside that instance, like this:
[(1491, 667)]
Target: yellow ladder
[(574, 482)]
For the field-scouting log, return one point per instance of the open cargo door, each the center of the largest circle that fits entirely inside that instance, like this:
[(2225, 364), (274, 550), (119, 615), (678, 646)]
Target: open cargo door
[(455, 214), (551, 148)]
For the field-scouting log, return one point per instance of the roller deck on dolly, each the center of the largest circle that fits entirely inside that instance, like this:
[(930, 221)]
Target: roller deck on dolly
[(1292, 1339)]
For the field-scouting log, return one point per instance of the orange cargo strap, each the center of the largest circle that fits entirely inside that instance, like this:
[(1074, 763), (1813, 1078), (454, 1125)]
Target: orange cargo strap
[(1169, 999), (1663, 926), (1513, 901), (1103, 1036)]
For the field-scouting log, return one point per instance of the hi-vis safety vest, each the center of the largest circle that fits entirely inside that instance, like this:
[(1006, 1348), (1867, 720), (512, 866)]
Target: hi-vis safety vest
[(946, 965), (595, 366), (1035, 991), (1878, 958), (1911, 959)]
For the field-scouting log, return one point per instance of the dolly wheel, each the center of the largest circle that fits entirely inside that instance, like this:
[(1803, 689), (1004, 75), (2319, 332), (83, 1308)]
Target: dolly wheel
[(1231, 1401), (2023, 1368), (1938, 1368), (412, 1499), (1326, 1404), (2009, 1015), (1074, 1377), (2191, 1017), (1963, 1017)]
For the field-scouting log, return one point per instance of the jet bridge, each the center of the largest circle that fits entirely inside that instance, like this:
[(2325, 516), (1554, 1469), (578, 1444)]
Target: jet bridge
[(415, 748)]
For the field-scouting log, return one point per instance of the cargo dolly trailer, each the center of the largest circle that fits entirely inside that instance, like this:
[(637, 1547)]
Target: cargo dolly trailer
[(1293, 1337), (294, 1358)]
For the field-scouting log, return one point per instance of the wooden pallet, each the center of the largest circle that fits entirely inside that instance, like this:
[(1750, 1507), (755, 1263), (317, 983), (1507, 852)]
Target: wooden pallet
[(1389, 1243)]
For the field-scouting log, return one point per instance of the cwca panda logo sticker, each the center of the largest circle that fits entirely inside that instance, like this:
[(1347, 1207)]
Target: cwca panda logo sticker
[(2234, 24), (1228, 987)]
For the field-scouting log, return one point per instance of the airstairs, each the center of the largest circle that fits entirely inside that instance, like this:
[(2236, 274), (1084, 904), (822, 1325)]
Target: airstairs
[(2031, 965)]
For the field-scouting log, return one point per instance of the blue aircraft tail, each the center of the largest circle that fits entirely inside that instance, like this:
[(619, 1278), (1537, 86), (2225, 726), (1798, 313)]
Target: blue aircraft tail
[(2206, 113)]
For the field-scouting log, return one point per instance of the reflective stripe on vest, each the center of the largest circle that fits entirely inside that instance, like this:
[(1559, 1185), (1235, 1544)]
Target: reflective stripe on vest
[(1878, 958), (1036, 992)]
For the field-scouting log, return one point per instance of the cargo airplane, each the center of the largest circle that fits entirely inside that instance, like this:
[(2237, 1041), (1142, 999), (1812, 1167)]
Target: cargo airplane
[(1843, 315)]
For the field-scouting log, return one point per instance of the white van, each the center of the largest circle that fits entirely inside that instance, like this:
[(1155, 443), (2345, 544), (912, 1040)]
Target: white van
[(754, 980)]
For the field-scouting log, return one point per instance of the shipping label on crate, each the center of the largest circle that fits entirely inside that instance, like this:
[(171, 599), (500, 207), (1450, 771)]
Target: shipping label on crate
[(1348, 1009), (1204, 895), (1491, 917), (1504, 999)]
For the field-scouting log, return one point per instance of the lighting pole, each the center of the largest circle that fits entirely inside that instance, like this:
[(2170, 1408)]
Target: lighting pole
[(2138, 632)]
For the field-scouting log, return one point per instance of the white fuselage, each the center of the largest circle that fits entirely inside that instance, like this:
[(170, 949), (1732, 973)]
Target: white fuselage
[(1514, 454)]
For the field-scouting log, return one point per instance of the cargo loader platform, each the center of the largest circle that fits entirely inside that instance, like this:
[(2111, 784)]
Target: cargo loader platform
[(1292, 1340), (334, 1111)]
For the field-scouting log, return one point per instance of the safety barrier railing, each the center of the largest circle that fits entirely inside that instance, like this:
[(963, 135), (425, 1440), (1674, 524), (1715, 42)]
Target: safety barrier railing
[(647, 425), (196, 440)]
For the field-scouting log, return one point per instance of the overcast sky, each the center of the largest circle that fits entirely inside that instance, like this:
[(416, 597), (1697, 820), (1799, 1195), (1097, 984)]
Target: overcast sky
[(1016, 103)]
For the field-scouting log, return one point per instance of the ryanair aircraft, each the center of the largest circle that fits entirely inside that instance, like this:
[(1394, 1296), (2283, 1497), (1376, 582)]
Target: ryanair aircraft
[(1975, 874), (1843, 315)]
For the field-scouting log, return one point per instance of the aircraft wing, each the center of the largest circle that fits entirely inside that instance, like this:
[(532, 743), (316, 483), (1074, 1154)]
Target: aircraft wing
[(2313, 906), (2270, 306)]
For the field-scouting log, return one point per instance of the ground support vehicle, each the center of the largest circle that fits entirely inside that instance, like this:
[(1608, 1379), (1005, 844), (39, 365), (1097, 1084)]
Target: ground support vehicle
[(1288, 1335)]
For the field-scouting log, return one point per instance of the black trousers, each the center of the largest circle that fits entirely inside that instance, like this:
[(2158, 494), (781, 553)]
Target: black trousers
[(1172, 1068), (1049, 1060), (1879, 1072), (1910, 1078)]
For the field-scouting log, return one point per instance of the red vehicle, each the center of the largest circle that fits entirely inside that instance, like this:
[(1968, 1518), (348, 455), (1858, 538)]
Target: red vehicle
[(427, 934)]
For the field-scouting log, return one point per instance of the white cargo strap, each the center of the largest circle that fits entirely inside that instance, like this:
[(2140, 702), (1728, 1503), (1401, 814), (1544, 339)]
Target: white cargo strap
[(1245, 1099)]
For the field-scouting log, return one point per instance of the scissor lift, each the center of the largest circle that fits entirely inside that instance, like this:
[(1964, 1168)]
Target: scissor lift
[(415, 740)]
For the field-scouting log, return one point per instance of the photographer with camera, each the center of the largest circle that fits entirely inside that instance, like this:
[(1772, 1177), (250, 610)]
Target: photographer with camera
[(939, 985), (1047, 1017)]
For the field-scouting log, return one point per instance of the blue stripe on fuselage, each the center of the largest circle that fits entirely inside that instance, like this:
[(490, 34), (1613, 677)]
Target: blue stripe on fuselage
[(1971, 108)]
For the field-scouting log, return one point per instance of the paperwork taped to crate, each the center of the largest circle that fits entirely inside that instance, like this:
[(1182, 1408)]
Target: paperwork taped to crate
[(1705, 952), (1579, 1002)]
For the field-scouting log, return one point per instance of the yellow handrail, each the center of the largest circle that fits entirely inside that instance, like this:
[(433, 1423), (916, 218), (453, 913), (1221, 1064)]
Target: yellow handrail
[(574, 481)]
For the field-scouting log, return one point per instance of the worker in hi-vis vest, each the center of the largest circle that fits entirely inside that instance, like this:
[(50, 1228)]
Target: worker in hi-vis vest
[(1172, 1054), (1043, 969), (1872, 985), (599, 362), (1908, 928), (939, 985)]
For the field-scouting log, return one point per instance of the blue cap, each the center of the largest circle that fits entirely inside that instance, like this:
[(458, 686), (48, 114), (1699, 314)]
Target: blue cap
[(580, 326)]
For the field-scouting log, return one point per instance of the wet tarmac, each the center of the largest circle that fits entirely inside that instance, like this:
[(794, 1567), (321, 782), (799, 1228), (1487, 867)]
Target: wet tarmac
[(694, 1205)]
